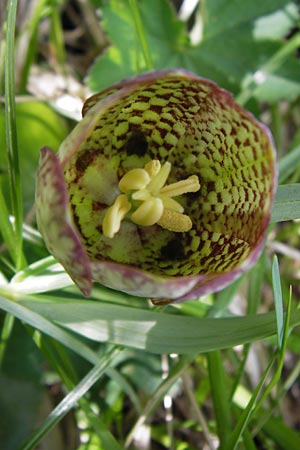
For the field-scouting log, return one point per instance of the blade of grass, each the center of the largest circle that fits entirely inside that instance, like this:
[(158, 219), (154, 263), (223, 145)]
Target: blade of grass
[(158, 396), (288, 163), (71, 399), (219, 395), (7, 230), (40, 323), (56, 36), (241, 425), (277, 374), (11, 131), (60, 361), (32, 30), (152, 331), (280, 433), (278, 300), (7, 327), (256, 277), (141, 33)]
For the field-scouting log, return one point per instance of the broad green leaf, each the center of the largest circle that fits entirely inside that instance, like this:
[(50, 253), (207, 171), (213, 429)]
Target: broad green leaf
[(237, 13), (164, 34), (287, 203), (239, 40), (152, 331)]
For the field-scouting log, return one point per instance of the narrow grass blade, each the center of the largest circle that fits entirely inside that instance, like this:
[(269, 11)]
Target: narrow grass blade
[(40, 323), (288, 163), (141, 33), (278, 300), (6, 229), (241, 425), (61, 362), (150, 330), (7, 327), (284, 436), (70, 400), (11, 131), (32, 30), (219, 394), (158, 396)]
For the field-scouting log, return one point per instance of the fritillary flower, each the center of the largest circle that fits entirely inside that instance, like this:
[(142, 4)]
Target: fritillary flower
[(164, 189)]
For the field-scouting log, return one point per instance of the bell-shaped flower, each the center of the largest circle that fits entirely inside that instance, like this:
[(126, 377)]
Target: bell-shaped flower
[(163, 190)]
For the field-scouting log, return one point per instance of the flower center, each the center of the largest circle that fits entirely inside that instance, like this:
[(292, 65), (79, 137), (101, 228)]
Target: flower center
[(149, 201)]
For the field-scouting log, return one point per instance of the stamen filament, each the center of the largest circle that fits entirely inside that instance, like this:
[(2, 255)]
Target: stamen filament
[(191, 184), (159, 180)]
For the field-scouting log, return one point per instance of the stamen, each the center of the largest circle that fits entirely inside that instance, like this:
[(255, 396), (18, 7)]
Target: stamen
[(191, 184), (174, 221), (153, 167), (170, 203), (149, 212), (159, 180), (114, 216), (145, 192), (134, 180)]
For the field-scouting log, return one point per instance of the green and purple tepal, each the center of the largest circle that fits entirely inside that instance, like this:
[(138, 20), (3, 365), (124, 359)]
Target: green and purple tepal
[(163, 190)]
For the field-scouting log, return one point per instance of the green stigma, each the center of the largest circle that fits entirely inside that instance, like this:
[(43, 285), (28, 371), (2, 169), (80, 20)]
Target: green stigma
[(149, 200)]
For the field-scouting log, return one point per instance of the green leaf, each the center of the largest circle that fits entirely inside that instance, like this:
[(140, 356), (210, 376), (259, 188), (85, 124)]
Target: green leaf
[(237, 13), (243, 64), (164, 34), (236, 62), (287, 203), (149, 330)]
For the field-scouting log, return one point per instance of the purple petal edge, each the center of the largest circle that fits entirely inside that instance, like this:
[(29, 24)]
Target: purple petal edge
[(54, 221)]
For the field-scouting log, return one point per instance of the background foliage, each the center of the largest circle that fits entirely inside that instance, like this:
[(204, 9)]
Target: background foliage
[(113, 372)]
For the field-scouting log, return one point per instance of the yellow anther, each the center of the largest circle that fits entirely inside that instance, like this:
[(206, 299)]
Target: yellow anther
[(134, 180), (145, 192), (174, 221), (114, 216), (148, 213), (153, 167)]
